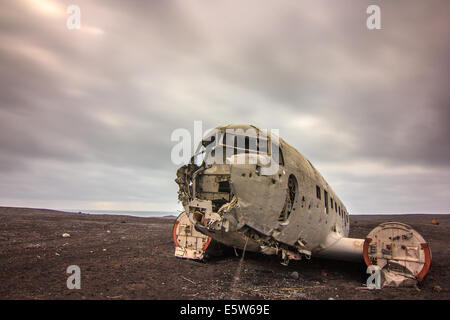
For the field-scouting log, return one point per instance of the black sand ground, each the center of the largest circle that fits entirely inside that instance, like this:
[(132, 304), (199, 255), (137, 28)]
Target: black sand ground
[(123, 257)]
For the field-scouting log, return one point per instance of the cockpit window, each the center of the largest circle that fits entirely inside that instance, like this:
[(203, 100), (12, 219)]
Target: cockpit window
[(206, 147), (207, 142), (238, 144), (246, 144), (280, 154), (230, 140)]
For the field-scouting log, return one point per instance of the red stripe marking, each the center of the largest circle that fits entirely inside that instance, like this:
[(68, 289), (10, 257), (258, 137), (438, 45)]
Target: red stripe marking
[(205, 246), (366, 251), (174, 234), (426, 266)]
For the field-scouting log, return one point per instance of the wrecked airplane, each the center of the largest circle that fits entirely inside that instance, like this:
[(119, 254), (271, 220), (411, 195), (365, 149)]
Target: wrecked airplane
[(233, 194)]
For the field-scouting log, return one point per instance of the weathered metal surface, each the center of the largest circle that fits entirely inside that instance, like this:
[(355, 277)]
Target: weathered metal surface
[(401, 253), (342, 248), (292, 212), (248, 185), (189, 243)]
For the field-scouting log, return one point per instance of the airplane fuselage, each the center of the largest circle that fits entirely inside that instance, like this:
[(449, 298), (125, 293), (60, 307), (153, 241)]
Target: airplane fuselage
[(255, 192), (293, 208)]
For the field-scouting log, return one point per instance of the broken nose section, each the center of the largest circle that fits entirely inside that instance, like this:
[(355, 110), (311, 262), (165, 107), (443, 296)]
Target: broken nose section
[(224, 226), (209, 206), (235, 205), (193, 232)]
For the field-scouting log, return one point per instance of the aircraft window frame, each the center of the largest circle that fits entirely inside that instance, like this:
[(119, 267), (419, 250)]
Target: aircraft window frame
[(318, 193), (206, 147), (247, 144), (280, 153), (206, 143), (258, 144), (224, 143), (281, 160)]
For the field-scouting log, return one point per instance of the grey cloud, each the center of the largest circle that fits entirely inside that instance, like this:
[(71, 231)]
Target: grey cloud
[(94, 104)]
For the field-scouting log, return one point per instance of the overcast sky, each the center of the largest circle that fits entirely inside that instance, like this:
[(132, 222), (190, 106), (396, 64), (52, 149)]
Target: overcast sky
[(86, 115)]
